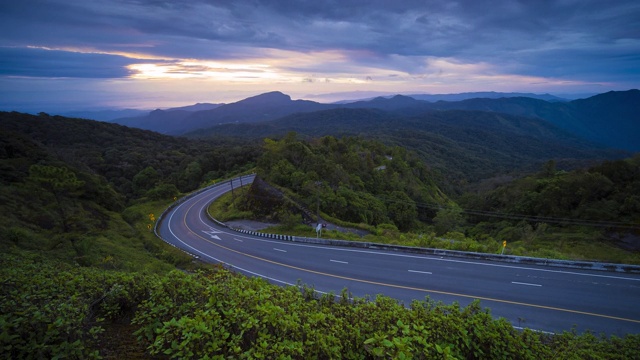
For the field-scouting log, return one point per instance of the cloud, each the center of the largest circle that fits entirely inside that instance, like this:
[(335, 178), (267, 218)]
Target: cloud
[(413, 45), (38, 62)]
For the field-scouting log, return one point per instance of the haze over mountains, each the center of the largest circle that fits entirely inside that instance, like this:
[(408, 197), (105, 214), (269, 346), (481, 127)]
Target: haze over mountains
[(611, 119)]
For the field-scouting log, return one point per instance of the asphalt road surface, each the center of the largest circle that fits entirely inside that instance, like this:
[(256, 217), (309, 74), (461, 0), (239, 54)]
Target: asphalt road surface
[(537, 297)]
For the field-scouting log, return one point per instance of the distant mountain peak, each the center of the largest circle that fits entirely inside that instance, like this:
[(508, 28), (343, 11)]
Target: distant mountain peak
[(267, 98), (403, 99)]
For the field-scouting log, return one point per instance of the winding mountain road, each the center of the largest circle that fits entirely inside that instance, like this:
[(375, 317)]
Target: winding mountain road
[(537, 297)]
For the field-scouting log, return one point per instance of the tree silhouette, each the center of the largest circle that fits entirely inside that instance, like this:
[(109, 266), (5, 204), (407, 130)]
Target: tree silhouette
[(62, 185)]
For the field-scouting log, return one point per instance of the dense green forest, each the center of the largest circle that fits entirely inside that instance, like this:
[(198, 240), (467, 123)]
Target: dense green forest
[(73, 187), (597, 205), (82, 275), (459, 147), (352, 179), (606, 194), (133, 161)]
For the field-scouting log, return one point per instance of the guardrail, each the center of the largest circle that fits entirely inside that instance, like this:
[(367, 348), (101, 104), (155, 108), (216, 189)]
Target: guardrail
[(585, 265), (523, 260)]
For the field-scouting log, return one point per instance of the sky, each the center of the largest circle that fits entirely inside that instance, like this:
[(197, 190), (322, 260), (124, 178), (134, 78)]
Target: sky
[(95, 54)]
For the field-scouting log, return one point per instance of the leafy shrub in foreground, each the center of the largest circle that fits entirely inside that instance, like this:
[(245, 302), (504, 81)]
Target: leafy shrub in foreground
[(52, 310), (216, 315)]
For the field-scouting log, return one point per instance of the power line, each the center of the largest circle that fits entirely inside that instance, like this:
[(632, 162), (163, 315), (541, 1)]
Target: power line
[(533, 218), (510, 216)]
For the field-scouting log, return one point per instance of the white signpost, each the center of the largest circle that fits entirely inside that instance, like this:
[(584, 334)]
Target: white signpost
[(319, 230)]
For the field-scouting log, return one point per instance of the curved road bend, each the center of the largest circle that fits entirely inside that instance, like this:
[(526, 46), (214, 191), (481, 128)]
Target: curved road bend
[(540, 298)]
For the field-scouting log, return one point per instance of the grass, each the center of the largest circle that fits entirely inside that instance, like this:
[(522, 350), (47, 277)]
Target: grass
[(165, 257), (575, 243), (124, 243), (226, 209), (567, 243)]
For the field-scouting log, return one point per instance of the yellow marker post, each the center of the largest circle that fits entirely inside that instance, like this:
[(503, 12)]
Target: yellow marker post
[(504, 245)]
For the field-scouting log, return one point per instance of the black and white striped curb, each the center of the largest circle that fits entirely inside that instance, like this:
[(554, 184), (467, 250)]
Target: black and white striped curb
[(267, 235), (586, 265)]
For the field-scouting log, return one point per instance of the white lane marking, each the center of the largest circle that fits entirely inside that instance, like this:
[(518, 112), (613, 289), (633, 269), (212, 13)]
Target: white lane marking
[(236, 267), (521, 283), (338, 261), (239, 240), (428, 257), (276, 249), (420, 272), (210, 233), (424, 257), (231, 265), (194, 199)]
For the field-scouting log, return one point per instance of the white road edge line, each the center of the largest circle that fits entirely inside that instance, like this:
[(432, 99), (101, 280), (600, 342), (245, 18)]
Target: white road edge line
[(338, 261), (420, 272), (432, 258), (534, 330), (521, 283), (424, 257)]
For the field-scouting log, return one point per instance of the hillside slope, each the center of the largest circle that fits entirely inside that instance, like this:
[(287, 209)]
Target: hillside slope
[(461, 145), (611, 119)]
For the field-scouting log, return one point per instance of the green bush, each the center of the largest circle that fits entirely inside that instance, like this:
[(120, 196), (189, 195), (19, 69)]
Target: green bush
[(52, 310)]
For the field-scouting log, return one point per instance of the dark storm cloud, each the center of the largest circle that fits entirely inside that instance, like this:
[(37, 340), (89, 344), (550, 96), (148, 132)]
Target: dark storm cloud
[(538, 38), (54, 63)]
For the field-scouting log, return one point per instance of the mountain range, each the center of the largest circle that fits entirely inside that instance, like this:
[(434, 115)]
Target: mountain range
[(470, 95), (610, 119)]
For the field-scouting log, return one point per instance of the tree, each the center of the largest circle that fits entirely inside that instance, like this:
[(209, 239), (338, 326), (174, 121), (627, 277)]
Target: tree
[(62, 184), (145, 180), (163, 191), (449, 219), (402, 210), (191, 176)]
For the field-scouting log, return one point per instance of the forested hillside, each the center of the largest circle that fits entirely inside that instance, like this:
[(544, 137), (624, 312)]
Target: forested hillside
[(355, 180), (74, 187), (134, 161), (609, 119), (597, 204), (460, 147)]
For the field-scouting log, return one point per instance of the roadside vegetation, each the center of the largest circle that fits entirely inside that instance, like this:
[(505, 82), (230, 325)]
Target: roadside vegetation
[(589, 214), (56, 310)]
